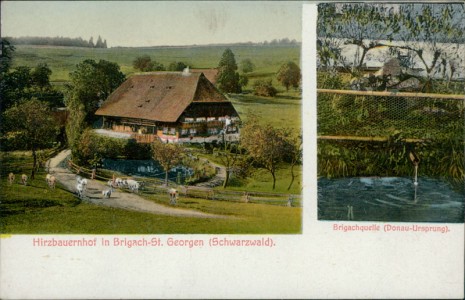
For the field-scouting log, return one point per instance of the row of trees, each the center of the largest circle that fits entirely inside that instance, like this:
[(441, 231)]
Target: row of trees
[(23, 82), (146, 64), (419, 29), (27, 100), (59, 41), (260, 146), (230, 81)]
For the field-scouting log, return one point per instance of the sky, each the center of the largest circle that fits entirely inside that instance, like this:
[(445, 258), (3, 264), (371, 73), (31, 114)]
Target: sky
[(154, 23)]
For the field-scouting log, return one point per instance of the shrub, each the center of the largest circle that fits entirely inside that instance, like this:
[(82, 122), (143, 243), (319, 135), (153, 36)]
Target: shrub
[(264, 88)]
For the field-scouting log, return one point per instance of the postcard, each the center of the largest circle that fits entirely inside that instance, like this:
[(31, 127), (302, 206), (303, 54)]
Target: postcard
[(230, 149)]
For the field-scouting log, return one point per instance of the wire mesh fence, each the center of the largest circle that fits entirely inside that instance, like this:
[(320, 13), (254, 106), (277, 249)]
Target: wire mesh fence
[(382, 114), (372, 133)]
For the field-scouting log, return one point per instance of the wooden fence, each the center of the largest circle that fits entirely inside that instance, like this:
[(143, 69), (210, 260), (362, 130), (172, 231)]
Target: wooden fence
[(156, 186)]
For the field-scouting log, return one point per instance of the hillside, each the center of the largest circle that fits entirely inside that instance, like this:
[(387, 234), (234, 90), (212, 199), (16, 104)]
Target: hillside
[(63, 60)]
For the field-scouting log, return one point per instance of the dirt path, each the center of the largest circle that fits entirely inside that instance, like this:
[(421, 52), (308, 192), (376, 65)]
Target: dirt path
[(118, 198)]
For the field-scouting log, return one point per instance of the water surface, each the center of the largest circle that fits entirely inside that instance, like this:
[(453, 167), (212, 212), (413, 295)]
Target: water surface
[(390, 199)]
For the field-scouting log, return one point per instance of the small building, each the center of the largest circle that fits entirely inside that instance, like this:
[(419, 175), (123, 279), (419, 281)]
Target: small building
[(173, 106)]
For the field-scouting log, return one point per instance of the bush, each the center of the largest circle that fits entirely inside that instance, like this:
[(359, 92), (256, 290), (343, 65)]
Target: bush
[(264, 88), (92, 148)]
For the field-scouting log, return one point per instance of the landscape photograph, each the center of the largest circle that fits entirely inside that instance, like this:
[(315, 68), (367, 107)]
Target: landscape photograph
[(144, 117), (391, 108)]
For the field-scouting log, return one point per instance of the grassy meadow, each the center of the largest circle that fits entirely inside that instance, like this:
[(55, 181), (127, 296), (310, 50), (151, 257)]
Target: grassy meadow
[(63, 60), (35, 209)]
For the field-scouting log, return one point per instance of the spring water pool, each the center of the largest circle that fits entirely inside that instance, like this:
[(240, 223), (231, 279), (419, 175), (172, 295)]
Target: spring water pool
[(147, 168), (390, 199)]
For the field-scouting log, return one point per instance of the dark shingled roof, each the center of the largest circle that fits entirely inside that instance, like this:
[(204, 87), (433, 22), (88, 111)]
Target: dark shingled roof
[(159, 96)]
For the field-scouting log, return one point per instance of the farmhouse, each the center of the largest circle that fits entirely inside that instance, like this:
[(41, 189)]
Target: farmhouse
[(173, 106)]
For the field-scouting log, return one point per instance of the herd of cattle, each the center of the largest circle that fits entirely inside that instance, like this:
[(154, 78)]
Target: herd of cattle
[(81, 185)]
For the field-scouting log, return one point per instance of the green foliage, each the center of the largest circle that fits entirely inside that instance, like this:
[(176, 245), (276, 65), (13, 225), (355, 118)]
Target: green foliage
[(92, 148), (289, 75), (227, 78), (167, 155), (264, 88), (177, 66), (247, 66), (264, 144), (5, 56), (142, 63), (145, 64), (90, 84), (41, 76), (29, 125)]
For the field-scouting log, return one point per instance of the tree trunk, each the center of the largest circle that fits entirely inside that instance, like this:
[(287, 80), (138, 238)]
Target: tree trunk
[(166, 178), (274, 180), (34, 165), (292, 177), (226, 179)]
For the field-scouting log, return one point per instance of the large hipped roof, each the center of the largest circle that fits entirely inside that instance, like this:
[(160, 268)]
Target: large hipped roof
[(159, 96)]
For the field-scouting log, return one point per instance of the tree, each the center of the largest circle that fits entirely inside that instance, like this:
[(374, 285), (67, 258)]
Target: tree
[(145, 64), (90, 84), (425, 27), (99, 43), (264, 88), (30, 125), (231, 157), (243, 80), (41, 76), (359, 24), (177, 66), (91, 42), (247, 66), (265, 145), (227, 78), (142, 63), (293, 152), (6, 56), (289, 75), (167, 155)]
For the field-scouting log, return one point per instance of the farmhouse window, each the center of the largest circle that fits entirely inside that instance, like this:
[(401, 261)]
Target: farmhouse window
[(221, 119), (192, 131), (165, 130), (188, 120), (172, 130), (209, 119), (184, 131), (212, 130), (202, 119)]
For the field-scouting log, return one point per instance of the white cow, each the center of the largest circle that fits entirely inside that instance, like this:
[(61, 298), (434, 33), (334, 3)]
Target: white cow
[(133, 185), (80, 190), (119, 182), (52, 182), (106, 193), (173, 193), (11, 178), (24, 179)]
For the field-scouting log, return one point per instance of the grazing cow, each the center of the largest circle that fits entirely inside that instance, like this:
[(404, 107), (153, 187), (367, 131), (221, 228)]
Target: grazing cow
[(52, 182), (119, 182), (173, 193), (133, 185), (47, 178), (106, 193), (24, 179), (80, 190), (82, 181), (11, 178)]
